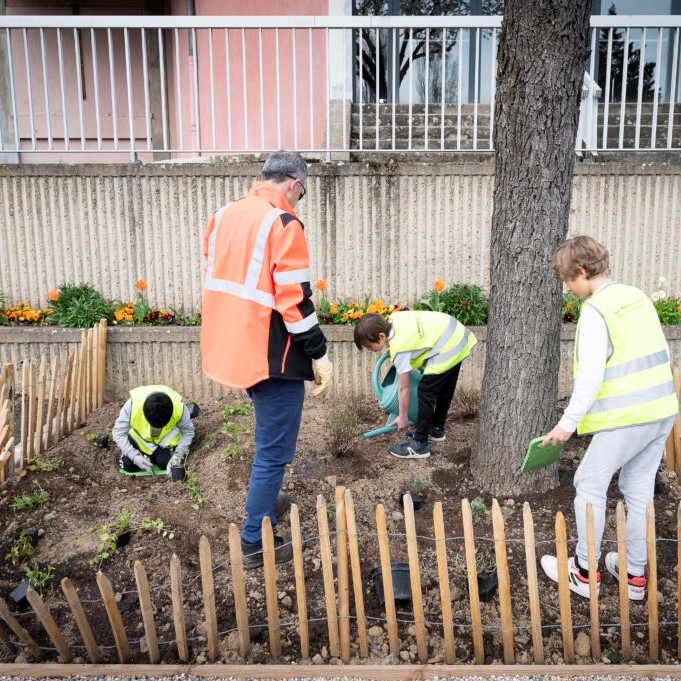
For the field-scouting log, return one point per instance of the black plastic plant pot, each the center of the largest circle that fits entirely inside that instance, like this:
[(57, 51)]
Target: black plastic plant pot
[(123, 539), (416, 500), (30, 533), (101, 440), (193, 409), (487, 586), (178, 473), (401, 582), (18, 596)]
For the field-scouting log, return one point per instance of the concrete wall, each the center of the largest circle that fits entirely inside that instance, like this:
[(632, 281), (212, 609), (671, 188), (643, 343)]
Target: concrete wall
[(138, 356), (381, 230)]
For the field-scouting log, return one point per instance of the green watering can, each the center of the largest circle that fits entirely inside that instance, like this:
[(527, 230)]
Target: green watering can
[(387, 394)]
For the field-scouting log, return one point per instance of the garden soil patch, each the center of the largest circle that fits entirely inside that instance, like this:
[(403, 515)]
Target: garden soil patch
[(88, 491)]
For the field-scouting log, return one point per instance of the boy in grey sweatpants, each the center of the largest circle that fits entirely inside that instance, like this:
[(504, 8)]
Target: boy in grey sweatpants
[(624, 394)]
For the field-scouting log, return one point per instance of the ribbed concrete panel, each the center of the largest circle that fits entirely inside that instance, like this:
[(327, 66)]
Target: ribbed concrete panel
[(386, 231), (138, 356)]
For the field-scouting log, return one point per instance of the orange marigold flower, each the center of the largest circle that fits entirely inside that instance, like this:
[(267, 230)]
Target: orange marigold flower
[(439, 284), (140, 284), (371, 308), (52, 295), (333, 309), (321, 284)]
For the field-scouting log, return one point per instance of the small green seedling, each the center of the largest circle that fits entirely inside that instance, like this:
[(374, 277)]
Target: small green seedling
[(237, 410), (157, 525), (196, 496), (22, 548), (38, 577), (45, 464), (414, 484), (478, 509), (330, 510), (25, 501)]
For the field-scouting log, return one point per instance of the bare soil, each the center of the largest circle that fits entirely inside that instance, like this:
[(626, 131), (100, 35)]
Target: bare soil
[(88, 491)]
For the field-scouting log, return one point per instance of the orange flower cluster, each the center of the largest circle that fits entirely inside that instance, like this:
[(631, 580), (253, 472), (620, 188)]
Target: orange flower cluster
[(140, 284), (52, 295), (347, 313), (24, 313), (124, 314), (439, 285)]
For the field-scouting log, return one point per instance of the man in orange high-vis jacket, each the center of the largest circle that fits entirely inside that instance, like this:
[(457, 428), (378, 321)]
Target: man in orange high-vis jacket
[(259, 330)]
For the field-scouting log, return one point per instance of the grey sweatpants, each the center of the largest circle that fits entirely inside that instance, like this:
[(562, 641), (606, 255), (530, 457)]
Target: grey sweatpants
[(637, 450)]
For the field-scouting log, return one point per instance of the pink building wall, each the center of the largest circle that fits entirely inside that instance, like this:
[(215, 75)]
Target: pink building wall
[(290, 120)]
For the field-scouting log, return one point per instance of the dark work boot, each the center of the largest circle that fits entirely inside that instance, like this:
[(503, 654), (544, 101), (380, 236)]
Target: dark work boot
[(281, 505), (253, 555)]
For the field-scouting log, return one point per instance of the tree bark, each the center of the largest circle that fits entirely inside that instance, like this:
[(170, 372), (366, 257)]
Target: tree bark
[(543, 47)]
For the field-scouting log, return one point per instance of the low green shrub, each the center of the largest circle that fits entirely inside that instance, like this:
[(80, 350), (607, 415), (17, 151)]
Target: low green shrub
[(467, 302), (79, 307)]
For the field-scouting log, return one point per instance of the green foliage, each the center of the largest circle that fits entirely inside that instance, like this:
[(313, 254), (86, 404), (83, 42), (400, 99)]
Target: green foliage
[(3, 300), (478, 509), (330, 510), (242, 409), (156, 525), (22, 548), (344, 426), (25, 500), (571, 308), (414, 484), (39, 577), (191, 484), (45, 464), (466, 302), (80, 307), (668, 310)]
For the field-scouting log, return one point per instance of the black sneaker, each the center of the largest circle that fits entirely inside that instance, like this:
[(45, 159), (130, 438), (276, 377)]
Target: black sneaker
[(281, 505), (435, 434), (412, 449), (253, 556)]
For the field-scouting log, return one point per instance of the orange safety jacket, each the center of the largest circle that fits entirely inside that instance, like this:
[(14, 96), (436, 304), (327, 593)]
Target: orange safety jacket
[(258, 319)]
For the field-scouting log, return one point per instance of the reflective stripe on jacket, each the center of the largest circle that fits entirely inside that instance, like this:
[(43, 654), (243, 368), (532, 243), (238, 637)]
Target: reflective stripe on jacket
[(444, 341), (637, 384), (140, 429), (258, 319)]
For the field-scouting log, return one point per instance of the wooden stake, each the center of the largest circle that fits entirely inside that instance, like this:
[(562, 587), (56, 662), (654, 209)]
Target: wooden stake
[(25, 380), (23, 635), (678, 579), (471, 570), (40, 417), (533, 584), (343, 576), (443, 580), (46, 619), (9, 382), (239, 587), (299, 569), (271, 597), (178, 608), (415, 578), (115, 619), (50, 438), (81, 620), (93, 347), (206, 561), (504, 578), (353, 544), (593, 584), (6, 456), (327, 571), (75, 389), (676, 428), (652, 582), (564, 590), (387, 577), (61, 392), (83, 382), (102, 361), (30, 451), (623, 586), (147, 612)]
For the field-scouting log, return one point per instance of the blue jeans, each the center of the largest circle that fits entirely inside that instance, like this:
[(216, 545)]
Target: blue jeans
[(278, 408)]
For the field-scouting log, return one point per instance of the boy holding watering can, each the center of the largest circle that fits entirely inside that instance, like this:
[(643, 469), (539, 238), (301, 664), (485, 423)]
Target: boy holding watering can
[(432, 342)]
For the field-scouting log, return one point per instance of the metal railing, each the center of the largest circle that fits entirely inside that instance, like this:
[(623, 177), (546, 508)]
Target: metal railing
[(126, 88)]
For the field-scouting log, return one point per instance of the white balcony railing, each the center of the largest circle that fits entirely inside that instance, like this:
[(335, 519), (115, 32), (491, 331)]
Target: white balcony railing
[(92, 88)]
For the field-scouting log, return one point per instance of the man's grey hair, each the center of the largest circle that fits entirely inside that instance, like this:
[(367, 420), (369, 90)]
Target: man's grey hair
[(282, 164)]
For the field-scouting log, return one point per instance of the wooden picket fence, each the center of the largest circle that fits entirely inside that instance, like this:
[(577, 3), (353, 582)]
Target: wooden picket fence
[(674, 440), (343, 576), (51, 406)]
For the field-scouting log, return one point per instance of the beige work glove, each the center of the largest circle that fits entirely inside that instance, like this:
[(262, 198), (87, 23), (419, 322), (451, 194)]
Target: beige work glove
[(323, 376)]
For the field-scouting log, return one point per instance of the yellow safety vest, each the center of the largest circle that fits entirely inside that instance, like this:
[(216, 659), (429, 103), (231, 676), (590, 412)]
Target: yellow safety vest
[(637, 385), (443, 340), (140, 428)]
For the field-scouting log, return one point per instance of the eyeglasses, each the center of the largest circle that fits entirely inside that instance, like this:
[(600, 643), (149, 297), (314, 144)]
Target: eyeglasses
[(302, 186)]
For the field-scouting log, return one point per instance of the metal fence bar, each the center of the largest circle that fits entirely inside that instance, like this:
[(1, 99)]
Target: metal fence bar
[(212, 86), (229, 90), (95, 74), (459, 83), (328, 95), (360, 94), (147, 104), (623, 96), (672, 94), (426, 90), (278, 92), (197, 134), (493, 88), (62, 83), (476, 95), (377, 88), (128, 86), (178, 89), (606, 107), (244, 80), (411, 81), (29, 88), (310, 36), (262, 90), (639, 95), (295, 88), (46, 90), (112, 82), (653, 125), (443, 82), (79, 80), (12, 89)]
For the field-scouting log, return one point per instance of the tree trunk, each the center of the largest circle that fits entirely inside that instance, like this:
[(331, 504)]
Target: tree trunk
[(543, 49)]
